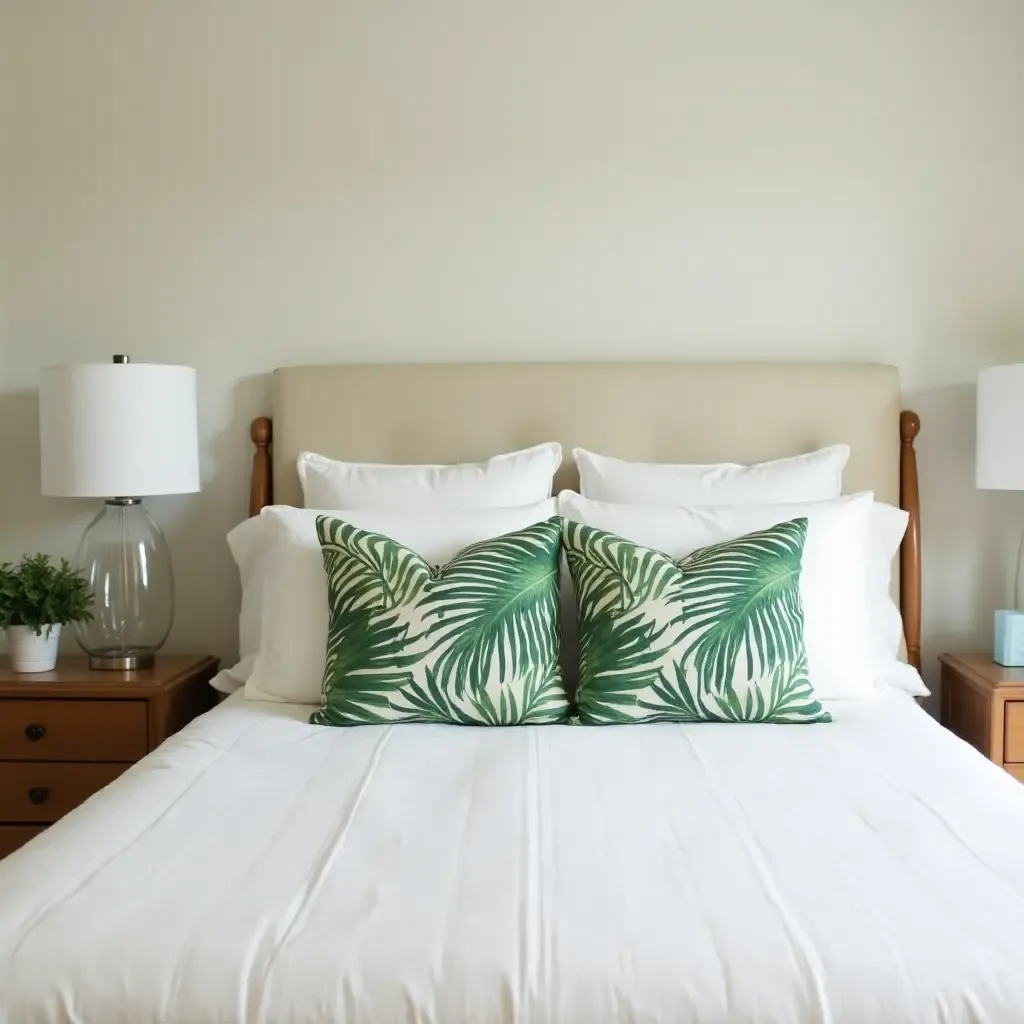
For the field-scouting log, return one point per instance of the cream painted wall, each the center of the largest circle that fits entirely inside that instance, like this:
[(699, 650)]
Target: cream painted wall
[(238, 184)]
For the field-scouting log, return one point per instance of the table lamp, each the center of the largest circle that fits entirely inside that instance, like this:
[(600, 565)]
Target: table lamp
[(999, 465), (121, 431)]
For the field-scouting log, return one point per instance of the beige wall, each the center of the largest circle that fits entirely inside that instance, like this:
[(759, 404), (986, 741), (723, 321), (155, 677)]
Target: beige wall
[(244, 183)]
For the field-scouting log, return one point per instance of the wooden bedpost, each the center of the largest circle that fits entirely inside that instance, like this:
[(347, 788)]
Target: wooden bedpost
[(261, 487), (910, 550)]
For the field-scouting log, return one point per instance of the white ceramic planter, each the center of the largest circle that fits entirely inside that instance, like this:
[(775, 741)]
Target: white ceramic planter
[(32, 652)]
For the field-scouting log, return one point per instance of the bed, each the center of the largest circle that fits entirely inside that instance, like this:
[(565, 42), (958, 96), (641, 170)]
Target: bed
[(257, 868)]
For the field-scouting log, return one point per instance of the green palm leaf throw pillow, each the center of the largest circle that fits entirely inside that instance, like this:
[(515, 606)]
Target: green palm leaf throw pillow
[(717, 636), (474, 642)]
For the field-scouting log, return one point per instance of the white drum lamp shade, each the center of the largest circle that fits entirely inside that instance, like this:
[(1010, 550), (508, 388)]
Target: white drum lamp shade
[(999, 466), (1000, 439), (121, 431), (117, 430)]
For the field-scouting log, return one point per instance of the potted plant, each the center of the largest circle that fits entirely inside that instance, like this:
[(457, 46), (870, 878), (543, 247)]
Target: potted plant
[(36, 599)]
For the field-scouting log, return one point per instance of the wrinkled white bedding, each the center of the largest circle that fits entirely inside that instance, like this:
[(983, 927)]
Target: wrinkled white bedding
[(256, 868)]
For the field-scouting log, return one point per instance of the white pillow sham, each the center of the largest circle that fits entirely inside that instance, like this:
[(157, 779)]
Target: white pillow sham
[(250, 557), (832, 583), (812, 477), (228, 680), (817, 476), (886, 528), (518, 478), (290, 663)]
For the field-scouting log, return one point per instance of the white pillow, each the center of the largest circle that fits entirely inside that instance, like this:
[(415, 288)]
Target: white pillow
[(886, 528), (244, 542), (250, 554), (832, 582), (812, 477), (519, 478), (228, 680), (817, 476), (290, 664)]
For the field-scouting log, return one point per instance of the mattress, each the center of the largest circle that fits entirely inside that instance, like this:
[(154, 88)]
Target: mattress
[(256, 868)]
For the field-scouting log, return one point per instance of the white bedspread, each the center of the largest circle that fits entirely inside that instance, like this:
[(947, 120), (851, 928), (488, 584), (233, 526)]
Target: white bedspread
[(256, 868)]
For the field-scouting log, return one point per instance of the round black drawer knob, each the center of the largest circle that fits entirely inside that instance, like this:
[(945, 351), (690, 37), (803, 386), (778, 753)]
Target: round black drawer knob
[(35, 732), (38, 795)]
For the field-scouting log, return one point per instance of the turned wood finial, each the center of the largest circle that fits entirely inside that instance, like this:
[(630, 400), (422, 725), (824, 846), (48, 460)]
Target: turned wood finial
[(910, 426), (261, 488), (261, 431)]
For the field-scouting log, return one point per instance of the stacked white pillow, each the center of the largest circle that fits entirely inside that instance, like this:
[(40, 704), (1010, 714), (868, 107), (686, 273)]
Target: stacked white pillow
[(816, 476), (290, 663), (518, 478), (831, 580), (438, 510), (414, 504)]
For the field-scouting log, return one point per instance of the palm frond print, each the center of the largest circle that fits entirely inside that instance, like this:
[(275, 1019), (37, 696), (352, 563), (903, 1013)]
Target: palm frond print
[(493, 609), (741, 603), (474, 642), (717, 636)]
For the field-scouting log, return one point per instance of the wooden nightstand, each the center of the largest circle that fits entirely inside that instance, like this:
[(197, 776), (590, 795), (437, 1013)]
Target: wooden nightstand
[(65, 734), (983, 703)]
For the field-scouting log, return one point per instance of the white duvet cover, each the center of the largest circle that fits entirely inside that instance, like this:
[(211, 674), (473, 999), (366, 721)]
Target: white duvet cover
[(256, 868)]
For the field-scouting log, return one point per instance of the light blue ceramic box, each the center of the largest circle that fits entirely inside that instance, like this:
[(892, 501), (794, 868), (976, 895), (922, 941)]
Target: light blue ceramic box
[(1009, 640)]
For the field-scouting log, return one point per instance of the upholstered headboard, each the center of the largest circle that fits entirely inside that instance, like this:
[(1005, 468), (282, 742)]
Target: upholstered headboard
[(671, 412)]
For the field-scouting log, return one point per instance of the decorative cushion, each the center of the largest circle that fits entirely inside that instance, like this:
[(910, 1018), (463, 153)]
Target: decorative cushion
[(474, 642), (716, 636)]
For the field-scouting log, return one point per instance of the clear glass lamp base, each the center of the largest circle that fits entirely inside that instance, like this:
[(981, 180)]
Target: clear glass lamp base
[(128, 565)]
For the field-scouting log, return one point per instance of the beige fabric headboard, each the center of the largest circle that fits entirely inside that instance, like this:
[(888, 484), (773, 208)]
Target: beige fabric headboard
[(665, 412)]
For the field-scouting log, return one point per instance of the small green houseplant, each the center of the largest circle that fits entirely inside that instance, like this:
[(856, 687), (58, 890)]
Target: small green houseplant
[(36, 599)]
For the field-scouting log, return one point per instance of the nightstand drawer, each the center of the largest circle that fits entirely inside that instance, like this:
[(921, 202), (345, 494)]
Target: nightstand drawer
[(14, 836), (44, 791), (72, 730), (1013, 743)]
